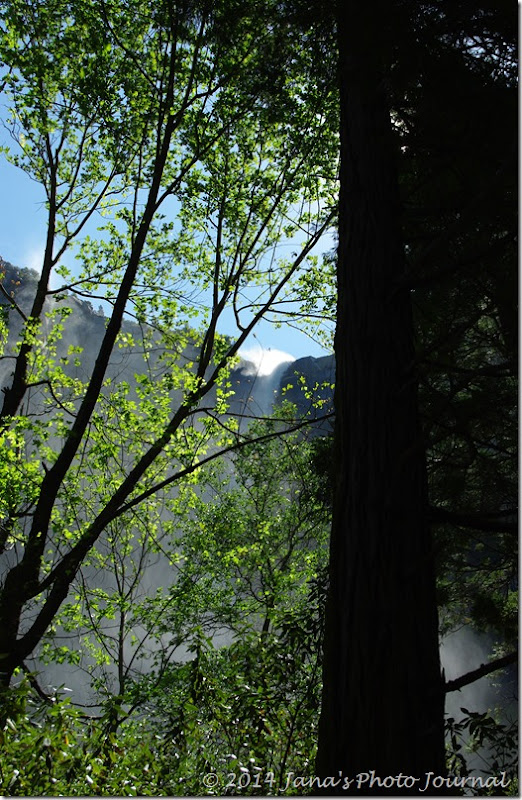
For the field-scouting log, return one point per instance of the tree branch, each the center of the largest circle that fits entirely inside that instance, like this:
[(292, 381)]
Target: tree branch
[(12, 301), (48, 700), (480, 672), (491, 523)]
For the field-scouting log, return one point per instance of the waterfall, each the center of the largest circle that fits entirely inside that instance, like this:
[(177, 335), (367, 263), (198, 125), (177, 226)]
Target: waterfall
[(263, 370), (256, 382)]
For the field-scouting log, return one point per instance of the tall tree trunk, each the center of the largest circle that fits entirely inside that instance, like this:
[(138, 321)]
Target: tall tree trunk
[(383, 700)]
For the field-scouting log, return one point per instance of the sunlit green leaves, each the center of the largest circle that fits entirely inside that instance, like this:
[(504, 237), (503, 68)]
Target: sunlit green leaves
[(189, 167), (55, 749)]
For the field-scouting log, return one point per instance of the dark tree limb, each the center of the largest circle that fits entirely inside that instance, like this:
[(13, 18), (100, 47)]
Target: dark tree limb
[(480, 672), (47, 699), (12, 302), (479, 522)]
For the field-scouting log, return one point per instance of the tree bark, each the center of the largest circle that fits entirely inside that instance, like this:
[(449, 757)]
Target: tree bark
[(383, 697)]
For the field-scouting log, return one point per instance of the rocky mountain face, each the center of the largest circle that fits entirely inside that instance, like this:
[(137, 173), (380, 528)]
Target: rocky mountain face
[(256, 391), (306, 382)]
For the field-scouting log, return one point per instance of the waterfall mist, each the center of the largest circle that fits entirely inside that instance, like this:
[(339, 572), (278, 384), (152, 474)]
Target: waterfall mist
[(256, 381), (264, 368), (461, 652)]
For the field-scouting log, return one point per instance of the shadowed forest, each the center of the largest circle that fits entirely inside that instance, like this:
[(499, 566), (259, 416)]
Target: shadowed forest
[(225, 570)]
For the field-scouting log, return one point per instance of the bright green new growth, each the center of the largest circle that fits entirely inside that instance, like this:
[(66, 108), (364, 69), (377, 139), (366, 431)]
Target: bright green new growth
[(189, 171), (177, 183), (188, 159)]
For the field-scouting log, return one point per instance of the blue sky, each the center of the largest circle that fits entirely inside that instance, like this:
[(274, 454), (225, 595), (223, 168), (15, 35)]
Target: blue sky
[(22, 239)]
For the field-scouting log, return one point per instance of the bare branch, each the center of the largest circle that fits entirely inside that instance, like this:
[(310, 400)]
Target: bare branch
[(480, 672)]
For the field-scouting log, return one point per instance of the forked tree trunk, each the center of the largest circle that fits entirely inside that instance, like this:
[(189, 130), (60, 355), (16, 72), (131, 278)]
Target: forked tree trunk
[(383, 700)]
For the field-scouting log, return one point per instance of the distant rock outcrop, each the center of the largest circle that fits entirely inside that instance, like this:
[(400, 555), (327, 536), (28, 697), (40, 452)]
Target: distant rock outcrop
[(306, 382)]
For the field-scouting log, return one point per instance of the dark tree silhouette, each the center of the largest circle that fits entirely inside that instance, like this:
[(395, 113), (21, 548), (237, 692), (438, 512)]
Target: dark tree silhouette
[(427, 158), (383, 693)]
